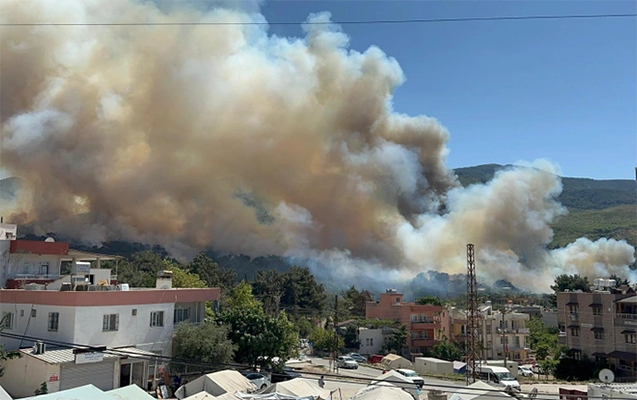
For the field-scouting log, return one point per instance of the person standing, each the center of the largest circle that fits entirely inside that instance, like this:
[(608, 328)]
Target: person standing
[(321, 382)]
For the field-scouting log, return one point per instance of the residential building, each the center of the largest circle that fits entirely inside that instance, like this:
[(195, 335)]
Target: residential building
[(63, 369), (601, 324), (453, 325), (372, 340), (504, 333), (88, 308), (422, 320), (24, 262)]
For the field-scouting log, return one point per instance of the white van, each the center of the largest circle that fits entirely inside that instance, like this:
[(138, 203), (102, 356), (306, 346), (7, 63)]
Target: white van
[(499, 376)]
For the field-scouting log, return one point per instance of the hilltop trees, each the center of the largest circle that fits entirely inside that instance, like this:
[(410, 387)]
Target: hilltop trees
[(571, 282), (356, 301)]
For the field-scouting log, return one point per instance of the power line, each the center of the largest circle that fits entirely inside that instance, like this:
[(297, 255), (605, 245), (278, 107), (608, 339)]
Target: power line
[(344, 22), (330, 377)]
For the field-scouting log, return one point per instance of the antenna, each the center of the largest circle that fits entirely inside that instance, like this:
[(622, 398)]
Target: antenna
[(606, 376)]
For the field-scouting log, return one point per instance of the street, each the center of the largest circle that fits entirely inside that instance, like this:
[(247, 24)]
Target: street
[(364, 372)]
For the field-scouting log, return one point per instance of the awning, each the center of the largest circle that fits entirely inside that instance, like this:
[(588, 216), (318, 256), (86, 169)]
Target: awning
[(595, 305), (597, 329), (622, 355), (572, 326), (572, 303), (598, 354), (627, 331)]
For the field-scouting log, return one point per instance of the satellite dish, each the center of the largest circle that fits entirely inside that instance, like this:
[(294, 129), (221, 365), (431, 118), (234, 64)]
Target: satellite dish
[(606, 376), (49, 240)]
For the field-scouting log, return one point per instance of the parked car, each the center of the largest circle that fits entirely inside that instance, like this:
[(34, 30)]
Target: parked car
[(357, 357), (260, 381), (347, 362), (285, 375), (525, 371), (374, 358), (411, 374)]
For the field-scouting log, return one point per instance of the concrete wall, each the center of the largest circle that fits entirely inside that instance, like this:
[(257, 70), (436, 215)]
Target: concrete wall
[(25, 324), (427, 365), (371, 341), (22, 376), (30, 264), (133, 329), (4, 261)]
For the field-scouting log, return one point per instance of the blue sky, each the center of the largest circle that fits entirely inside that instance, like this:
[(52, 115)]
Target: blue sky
[(565, 90)]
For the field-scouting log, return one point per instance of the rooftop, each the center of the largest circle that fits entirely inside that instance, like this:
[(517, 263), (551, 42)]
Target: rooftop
[(62, 356)]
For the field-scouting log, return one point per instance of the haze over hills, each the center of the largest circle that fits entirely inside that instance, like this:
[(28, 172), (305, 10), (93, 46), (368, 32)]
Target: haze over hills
[(596, 209)]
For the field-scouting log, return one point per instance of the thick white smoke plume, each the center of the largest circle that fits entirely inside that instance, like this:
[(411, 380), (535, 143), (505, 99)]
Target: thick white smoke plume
[(225, 136)]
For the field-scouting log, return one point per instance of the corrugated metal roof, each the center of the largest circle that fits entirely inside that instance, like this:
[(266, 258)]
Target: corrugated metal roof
[(58, 356)]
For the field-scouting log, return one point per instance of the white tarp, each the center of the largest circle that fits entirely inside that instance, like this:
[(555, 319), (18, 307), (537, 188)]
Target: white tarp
[(272, 396), (394, 361), (208, 396), (130, 392), (396, 379), (479, 390), (384, 392), (4, 395), (216, 384), (299, 387)]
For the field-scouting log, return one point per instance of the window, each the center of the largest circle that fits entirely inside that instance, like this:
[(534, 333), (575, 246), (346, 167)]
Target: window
[(597, 310), (54, 321), (7, 320), (573, 308), (22, 313), (156, 319), (371, 341), (133, 312), (599, 334), (110, 322), (181, 314), (630, 338), (414, 318), (33, 313), (397, 300), (575, 331)]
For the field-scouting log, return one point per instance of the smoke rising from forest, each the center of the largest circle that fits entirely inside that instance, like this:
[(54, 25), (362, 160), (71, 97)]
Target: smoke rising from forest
[(226, 136)]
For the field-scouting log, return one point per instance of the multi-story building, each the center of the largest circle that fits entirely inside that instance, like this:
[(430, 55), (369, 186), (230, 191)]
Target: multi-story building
[(422, 320), (88, 308), (601, 324), (504, 333), (453, 325)]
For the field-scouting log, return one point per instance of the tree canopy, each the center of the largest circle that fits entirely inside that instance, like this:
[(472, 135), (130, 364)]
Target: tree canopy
[(396, 340), (429, 300), (571, 282), (207, 344), (356, 301)]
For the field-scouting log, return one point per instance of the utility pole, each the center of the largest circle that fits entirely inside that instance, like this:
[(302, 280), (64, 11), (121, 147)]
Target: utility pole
[(504, 338), (335, 353), (474, 337)]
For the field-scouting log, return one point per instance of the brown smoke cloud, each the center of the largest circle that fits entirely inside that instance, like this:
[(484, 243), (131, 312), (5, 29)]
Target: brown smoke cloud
[(225, 136)]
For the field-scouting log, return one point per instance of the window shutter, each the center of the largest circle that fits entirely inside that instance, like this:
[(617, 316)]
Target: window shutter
[(105, 323), (116, 322)]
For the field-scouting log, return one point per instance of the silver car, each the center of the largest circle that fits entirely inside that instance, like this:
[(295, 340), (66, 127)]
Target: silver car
[(347, 362)]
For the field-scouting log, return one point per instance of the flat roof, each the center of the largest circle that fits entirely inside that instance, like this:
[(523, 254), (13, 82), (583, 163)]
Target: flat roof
[(88, 256), (108, 298), (60, 356), (632, 299)]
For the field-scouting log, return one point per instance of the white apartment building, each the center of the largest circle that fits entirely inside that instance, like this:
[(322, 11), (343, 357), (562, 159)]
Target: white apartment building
[(505, 333), (371, 340), (90, 310)]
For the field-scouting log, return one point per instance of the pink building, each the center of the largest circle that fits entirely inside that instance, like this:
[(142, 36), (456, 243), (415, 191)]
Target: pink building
[(422, 320)]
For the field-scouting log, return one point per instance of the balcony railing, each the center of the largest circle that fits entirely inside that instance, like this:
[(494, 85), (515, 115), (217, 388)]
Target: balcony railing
[(625, 316), (19, 277)]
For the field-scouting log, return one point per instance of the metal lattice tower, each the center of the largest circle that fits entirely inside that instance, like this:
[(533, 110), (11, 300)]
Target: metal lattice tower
[(474, 337)]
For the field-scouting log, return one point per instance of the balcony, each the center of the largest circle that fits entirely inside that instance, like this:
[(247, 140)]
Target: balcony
[(422, 342), (422, 325), (626, 316)]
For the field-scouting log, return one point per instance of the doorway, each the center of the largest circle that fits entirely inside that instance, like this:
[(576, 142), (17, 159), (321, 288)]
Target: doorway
[(132, 373)]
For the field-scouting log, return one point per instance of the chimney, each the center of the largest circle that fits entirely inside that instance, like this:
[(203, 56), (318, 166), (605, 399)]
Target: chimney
[(164, 280)]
